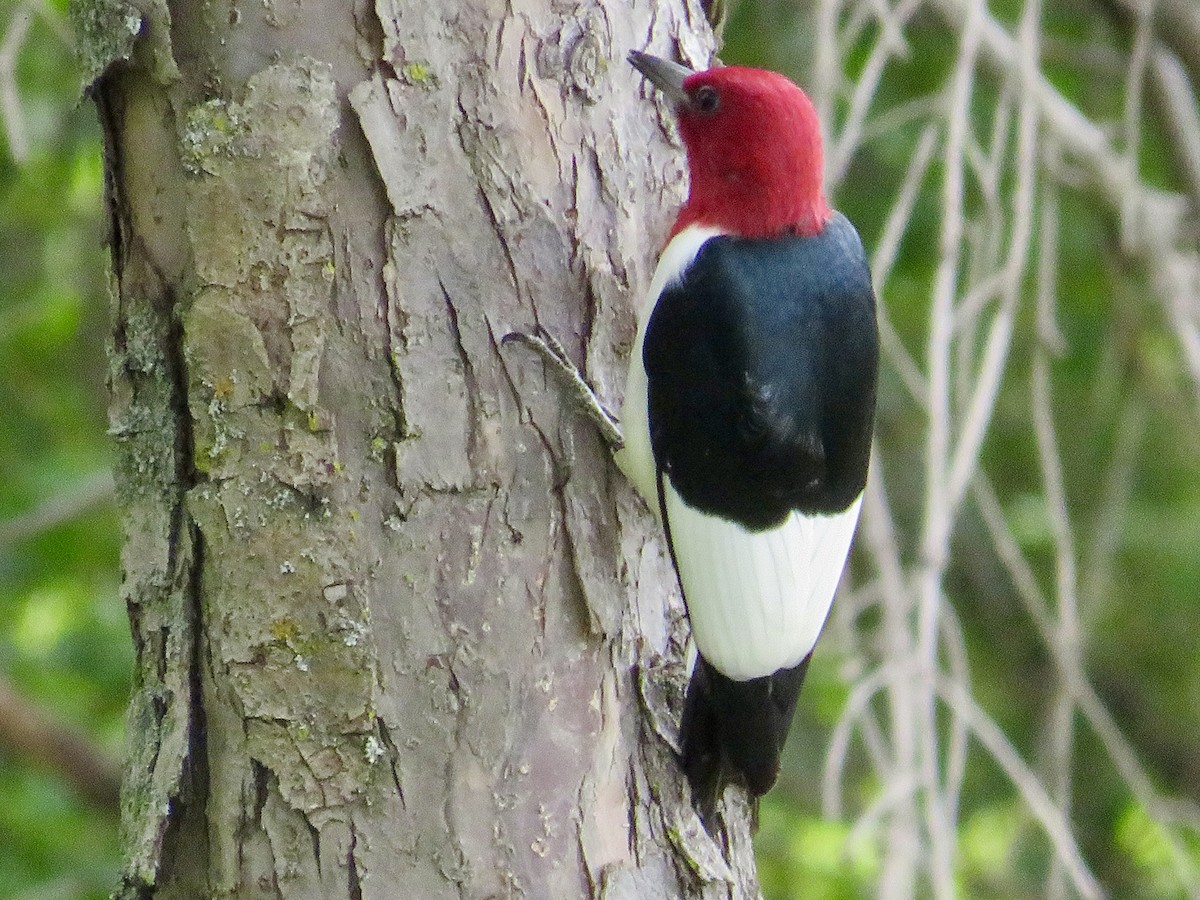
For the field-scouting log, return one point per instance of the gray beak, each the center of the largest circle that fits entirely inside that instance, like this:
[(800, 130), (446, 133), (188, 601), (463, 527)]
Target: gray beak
[(665, 75)]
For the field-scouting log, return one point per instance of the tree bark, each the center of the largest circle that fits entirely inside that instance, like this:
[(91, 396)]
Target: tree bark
[(402, 630)]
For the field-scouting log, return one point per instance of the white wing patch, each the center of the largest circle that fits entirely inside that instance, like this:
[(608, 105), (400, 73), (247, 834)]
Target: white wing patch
[(757, 600)]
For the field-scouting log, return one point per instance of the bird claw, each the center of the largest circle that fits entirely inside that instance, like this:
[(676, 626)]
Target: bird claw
[(555, 355), (544, 344)]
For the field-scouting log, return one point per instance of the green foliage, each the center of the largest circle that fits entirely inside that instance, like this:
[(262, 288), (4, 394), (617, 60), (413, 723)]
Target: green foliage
[(64, 640), (63, 634), (806, 856)]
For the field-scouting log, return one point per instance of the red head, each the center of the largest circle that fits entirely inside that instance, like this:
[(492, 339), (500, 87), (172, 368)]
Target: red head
[(753, 148)]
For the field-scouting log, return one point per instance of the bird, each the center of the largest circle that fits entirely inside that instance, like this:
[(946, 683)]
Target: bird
[(749, 408)]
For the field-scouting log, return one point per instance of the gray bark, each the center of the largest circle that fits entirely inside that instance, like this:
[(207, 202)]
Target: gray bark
[(402, 630)]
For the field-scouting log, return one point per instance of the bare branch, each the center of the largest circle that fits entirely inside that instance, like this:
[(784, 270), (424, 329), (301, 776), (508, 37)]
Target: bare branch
[(938, 522), (889, 43), (1166, 812), (826, 71), (987, 382), (1043, 808), (1176, 24), (887, 249), (10, 100), (1181, 115), (838, 752), (42, 740), (1153, 222), (93, 490), (902, 846)]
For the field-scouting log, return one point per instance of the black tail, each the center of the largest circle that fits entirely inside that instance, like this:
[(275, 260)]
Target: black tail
[(736, 729)]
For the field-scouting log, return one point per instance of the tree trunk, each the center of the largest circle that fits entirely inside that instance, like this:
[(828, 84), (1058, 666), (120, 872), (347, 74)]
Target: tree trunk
[(402, 630)]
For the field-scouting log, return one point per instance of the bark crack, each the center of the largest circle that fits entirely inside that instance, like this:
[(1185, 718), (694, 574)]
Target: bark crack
[(315, 836), (456, 870), (392, 329), (470, 380), (260, 777), (393, 752), (503, 241), (354, 888), (509, 382), (560, 473), (114, 170), (192, 791)]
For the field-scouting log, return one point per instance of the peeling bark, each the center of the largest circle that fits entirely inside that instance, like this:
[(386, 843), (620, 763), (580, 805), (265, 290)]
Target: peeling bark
[(401, 627)]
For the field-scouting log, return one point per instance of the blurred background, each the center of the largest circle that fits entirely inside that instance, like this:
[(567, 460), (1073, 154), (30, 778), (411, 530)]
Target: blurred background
[(1007, 701), (65, 654)]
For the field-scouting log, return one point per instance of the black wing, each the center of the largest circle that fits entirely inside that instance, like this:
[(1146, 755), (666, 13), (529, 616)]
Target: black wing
[(761, 362)]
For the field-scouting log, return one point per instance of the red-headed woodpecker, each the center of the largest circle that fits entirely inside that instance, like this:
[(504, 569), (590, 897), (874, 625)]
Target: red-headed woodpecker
[(749, 407)]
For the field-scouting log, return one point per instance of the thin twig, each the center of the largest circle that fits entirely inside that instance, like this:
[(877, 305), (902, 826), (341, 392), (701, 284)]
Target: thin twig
[(826, 69), (838, 751), (1061, 727), (1096, 579), (1182, 114), (1135, 85), (902, 847), (1043, 808), (91, 491), (10, 99), (1154, 222), (32, 733), (957, 744), (887, 248), (938, 516), (896, 793), (886, 46), (1164, 811)]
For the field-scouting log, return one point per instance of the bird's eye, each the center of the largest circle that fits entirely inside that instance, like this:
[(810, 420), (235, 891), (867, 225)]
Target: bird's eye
[(706, 100)]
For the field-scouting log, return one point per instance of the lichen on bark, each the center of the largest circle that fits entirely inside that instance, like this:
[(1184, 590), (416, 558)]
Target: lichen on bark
[(396, 611), (106, 31), (274, 508)]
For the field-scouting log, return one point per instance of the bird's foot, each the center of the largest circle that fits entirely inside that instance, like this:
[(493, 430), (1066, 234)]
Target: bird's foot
[(554, 355)]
